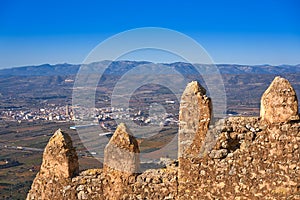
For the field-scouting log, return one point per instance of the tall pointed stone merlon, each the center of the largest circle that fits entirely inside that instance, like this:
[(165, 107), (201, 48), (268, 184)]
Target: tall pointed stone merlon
[(59, 165), (121, 161), (122, 151), (279, 102), (194, 118), (60, 157)]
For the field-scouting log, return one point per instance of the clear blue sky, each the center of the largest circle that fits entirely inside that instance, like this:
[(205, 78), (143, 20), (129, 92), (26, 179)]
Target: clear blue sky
[(232, 31)]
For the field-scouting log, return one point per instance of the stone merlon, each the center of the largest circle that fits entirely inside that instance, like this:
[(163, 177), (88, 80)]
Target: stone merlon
[(194, 119), (122, 151), (245, 158), (60, 157), (279, 102)]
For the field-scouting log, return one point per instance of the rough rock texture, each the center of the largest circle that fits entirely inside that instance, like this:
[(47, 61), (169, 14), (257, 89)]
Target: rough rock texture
[(237, 158), (121, 161), (249, 161), (279, 102), (60, 164), (122, 151), (96, 184), (194, 118), (106, 183)]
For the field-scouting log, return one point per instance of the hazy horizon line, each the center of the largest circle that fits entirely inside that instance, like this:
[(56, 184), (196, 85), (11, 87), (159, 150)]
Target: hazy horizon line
[(154, 62)]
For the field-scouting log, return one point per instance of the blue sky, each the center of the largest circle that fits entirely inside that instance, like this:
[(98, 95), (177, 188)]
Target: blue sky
[(231, 31)]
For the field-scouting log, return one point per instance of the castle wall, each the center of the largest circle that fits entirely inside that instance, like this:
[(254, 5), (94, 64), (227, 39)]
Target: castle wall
[(235, 158)]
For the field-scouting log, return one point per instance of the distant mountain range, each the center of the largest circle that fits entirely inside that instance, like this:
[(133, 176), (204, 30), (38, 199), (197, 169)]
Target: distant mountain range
[(120, 67)]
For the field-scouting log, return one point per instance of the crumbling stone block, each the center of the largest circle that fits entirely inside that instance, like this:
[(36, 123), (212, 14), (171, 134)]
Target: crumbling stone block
[(279, 102)]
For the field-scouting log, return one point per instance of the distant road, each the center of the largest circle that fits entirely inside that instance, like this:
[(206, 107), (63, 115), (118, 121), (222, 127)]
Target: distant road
[(3, 146)]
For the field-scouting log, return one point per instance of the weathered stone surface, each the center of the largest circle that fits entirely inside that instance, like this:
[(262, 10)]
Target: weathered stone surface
[(122, 151), (263, 164), (217, 154), (194, 118), (60, 164), (244, 162), (121, 161), (60, 157), (279, 102), (250, 159)]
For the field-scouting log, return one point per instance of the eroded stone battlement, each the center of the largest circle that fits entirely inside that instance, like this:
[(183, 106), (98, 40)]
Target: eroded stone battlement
[(234, 158)]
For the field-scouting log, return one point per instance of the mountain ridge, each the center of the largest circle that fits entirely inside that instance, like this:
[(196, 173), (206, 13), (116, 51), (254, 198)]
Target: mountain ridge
[(122, 66)]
